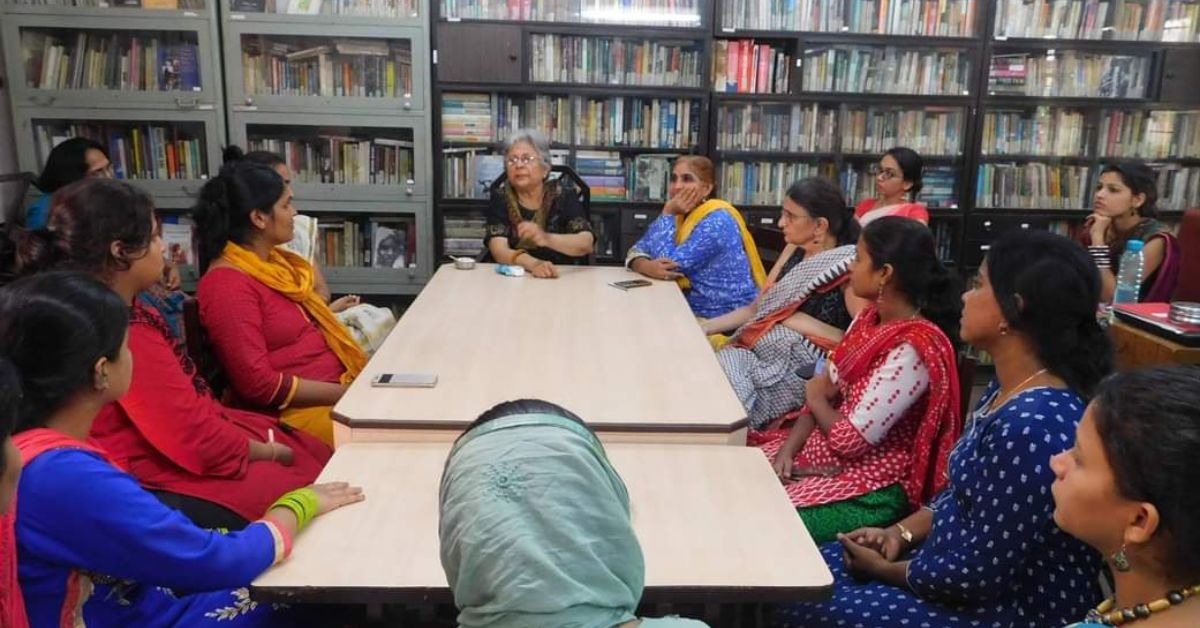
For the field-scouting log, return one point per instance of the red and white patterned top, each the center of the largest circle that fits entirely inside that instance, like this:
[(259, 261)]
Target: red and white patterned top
[(872, 444)]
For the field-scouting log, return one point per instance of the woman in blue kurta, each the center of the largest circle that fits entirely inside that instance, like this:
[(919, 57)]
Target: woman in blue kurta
[(93, 547), (702, 243), (986, 551)]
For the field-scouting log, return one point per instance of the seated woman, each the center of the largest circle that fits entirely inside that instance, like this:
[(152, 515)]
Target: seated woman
[(580, 567), (700, 242), (986, 551), (533, 223), (12, 603), (368, 324), (220, 466), (871, 444), (1127, 488), (802, 315), (1125, 210), (282, 348), (80, 158), (897, 183), (93, 546)]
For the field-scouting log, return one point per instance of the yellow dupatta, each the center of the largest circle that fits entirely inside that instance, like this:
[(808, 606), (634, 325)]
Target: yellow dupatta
[(684, 225), (292, 276)]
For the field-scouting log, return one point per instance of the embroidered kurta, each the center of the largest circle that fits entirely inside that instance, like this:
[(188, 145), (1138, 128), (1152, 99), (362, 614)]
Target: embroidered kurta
[(263, 339), (94, 547), (713, 258), (994, 556), (172, 435)]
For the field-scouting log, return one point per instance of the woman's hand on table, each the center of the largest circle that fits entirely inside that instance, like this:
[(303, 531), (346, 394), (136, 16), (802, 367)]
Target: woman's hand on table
[(542, 269), (334, 495), (661, 268)]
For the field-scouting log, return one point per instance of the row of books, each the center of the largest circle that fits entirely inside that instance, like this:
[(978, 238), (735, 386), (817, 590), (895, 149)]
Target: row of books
[(928, 18), (939, 188), (293, 66), (343, 8), (1178, 187), (341, 159), (747, 67), (488, 118), (886, 70), (121, 60), (163, 5), (468, 172), (1032, 186), (1141, 20), (1041, 131), (777, 127), (1150, 134), (637, 122), (1069, 74), (614, 61), (944, 236), (375, 242), (137, 151), (463, 235), (932, 131), (827, 129), (645, 12), (764, 182)]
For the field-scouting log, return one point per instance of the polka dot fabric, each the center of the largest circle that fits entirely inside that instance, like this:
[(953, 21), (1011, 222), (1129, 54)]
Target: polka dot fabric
[(994, 557)]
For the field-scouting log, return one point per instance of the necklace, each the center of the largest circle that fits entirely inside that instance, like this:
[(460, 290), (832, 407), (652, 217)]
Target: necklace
[(1003, 399), (1105, 614)]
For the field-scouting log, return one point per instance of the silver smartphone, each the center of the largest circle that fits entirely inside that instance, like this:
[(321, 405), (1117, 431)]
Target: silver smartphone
[(405, 380)]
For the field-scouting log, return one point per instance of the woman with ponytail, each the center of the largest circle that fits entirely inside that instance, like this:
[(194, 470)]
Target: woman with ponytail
[(986, 551), (881, 416), (801, 315), (222, 467), (280, 358)]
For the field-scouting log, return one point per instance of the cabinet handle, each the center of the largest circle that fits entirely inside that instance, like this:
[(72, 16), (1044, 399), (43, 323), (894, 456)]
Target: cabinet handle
[(42, 101), (185, 103)]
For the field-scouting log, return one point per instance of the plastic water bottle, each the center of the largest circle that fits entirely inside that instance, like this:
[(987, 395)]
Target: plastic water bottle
[(1129, 275)]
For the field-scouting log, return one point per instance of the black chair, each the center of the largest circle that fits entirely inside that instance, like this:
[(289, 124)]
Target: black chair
[(14, 214), (568, 180)]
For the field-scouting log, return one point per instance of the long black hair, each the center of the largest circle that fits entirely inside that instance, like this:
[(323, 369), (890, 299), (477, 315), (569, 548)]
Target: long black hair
[(222, 211), (1147, 424), (233, 152), (1047, 288), (911, 167), (10, 404), (522, 406), (910, 248), (67, 163), (1139, 178), (85, 218), (823, 199), (54, 327)]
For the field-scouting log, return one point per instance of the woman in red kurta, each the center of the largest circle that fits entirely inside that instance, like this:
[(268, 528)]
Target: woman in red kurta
[(219, 466), (282, 348), (897, 183)]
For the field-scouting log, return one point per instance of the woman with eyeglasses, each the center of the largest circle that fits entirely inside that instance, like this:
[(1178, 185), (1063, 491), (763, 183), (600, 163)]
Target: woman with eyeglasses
[(897, 183), (702, 243), (532, 222)]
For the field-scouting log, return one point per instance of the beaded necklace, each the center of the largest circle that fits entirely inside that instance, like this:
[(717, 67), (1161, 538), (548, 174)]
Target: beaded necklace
[(1104, 614)]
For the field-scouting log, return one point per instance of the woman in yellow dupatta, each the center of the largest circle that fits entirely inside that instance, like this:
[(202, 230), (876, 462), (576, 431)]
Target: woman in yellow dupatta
[(281, 346), (702, 243)]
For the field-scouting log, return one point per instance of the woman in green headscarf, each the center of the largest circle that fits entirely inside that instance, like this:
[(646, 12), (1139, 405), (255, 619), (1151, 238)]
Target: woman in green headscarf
[(535, 527)]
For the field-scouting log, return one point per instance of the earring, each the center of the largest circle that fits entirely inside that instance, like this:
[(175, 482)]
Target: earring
[(1120, 561), (1003, 329), (879, 299)]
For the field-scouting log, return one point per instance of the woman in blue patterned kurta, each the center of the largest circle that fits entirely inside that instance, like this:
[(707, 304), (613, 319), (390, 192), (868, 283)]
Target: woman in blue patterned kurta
[(703, 244), (987, 551)]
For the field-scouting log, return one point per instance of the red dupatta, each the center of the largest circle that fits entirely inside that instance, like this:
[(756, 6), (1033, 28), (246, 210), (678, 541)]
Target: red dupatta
[(940, 426), (32, 444)]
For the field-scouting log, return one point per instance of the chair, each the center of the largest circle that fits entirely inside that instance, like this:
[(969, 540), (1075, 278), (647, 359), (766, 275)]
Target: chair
[(568, 179), (770, 243), (966, 383), (14, 213), (198, 349), (1188, 287)]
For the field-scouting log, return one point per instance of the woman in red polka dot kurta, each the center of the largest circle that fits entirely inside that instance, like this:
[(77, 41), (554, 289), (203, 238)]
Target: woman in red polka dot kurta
[(872, 442)]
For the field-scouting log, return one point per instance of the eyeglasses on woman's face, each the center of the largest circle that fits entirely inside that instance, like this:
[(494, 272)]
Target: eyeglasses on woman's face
[(883, 173), (527, 159)]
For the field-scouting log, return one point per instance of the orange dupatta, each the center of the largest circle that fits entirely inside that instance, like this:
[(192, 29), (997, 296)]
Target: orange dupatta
[(684, 225)]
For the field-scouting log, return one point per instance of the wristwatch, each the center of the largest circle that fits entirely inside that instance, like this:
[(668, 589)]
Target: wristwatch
[(905, 533)]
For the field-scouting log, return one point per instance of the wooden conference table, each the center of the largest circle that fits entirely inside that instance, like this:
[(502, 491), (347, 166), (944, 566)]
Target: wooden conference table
[(633, 364), (713, 524)]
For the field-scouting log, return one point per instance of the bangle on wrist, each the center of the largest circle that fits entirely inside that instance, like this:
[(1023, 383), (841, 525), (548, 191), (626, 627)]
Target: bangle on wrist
[(516, 254), (303, 503), (905, 533)]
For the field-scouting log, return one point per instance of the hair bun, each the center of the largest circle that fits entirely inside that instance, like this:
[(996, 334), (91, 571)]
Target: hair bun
[(232, 153)]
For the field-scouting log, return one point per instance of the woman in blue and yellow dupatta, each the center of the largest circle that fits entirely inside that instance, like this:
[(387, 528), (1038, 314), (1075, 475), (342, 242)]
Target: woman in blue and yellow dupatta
[(702, 243), (535, 526)]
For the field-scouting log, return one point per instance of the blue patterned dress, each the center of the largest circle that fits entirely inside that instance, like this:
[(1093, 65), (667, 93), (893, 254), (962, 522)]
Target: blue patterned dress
[(994, 557), (713, 259)]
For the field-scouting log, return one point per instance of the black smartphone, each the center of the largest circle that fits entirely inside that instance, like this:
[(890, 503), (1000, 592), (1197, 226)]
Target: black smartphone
[(631, 283)]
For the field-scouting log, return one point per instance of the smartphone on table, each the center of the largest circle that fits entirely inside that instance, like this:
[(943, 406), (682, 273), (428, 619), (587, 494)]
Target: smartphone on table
[(404, 380), (631, 284)]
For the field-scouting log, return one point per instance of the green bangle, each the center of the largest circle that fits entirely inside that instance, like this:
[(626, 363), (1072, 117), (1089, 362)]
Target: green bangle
[(303, 503)]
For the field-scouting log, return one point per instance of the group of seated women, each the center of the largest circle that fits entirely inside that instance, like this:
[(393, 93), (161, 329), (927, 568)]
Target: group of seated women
[(147, 499)]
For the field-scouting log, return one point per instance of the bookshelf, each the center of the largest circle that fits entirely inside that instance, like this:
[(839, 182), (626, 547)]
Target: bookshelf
[(340, 90), (141, 77), (618, 91)]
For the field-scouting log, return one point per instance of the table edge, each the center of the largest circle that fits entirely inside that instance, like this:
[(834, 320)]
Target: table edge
[(458, 426)]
